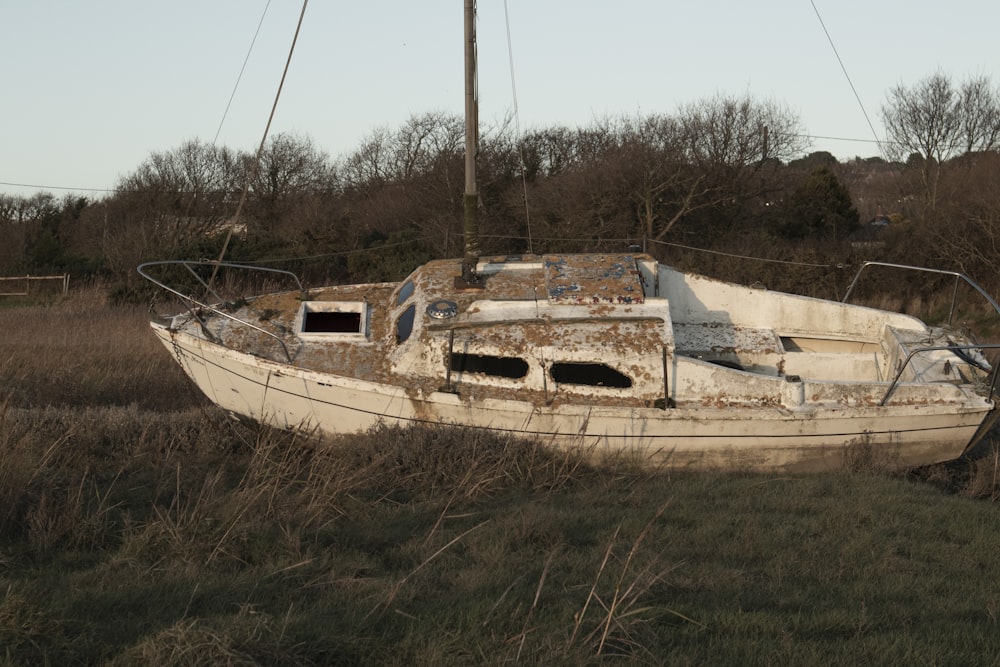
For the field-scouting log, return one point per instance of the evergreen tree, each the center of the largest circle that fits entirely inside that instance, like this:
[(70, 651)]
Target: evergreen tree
[(820, 207)]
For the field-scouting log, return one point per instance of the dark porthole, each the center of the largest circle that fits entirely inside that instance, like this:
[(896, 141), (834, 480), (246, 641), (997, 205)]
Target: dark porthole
[(505, 367), (404, 325), (594, 375)]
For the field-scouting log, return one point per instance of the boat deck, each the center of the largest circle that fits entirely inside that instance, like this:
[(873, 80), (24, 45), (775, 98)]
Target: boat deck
[(597, 312)]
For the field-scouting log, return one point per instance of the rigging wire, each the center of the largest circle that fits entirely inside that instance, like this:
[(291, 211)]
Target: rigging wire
[(260, 149), (239, 77), (847, 76), (749, 257), (517, 126), (194, 195), (431, 239)]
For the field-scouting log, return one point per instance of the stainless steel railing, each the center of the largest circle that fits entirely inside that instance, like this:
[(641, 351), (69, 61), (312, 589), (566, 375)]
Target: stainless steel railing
[(194, 305), (959, 278), (954, 295), (952, 348)]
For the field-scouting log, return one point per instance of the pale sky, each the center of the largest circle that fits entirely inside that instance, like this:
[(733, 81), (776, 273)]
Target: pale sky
[(91, 88)]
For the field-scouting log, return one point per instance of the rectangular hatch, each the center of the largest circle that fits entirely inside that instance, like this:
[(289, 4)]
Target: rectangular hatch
[(332, 320)]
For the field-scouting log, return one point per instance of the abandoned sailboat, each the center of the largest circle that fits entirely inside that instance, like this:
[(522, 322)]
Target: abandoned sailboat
[(603, 352), (611, 352)]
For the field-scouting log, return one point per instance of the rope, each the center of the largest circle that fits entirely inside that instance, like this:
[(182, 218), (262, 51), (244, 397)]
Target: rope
[(342, 253)]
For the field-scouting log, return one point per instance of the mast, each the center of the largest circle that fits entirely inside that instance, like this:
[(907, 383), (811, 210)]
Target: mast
[(471, 199)]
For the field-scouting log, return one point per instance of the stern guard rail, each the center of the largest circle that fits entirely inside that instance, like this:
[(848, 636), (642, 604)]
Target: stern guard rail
[(954, 293), (951, 314), (952, 348)]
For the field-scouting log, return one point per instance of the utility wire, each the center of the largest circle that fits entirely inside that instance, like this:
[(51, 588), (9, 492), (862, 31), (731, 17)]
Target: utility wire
[(41, 186), (426, 239), (55, 187), (218, 131), (755, 259)]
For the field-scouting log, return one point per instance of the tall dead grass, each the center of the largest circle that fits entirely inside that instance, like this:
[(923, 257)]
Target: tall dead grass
[(189, 487), (980, 478), (83, 351)]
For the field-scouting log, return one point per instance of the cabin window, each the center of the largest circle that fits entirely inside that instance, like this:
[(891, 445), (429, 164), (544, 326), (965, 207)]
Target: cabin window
[(404, 325), (404, 292), (590, 374), (332, 319), (505, 367)]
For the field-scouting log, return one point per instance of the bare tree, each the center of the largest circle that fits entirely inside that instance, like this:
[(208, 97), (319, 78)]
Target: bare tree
[(368, 166), (410, 178), (923, 119), (641, 176), (938, 121), (21, 220), (656, 185), (291, 171), (739, 134), (735, 145), (549, 152), (416, 148), (184, 193), (979, 115), (971, 240), (934, 121), (127, 239), (18, 209), (291, 164), (424, 141)]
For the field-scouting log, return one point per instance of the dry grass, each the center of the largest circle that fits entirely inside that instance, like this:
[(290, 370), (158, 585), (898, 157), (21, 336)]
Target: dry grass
[(140, 526), (80, 351), (984, 482)]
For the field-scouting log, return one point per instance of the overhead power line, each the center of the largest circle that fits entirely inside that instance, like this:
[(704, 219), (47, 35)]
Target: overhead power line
[(54, 187)]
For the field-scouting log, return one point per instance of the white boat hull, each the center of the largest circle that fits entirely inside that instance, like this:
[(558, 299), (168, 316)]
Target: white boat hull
[(750, 438)]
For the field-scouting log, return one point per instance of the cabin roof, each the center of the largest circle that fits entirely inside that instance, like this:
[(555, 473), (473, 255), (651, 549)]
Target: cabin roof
[(561, 279), (591, 279)]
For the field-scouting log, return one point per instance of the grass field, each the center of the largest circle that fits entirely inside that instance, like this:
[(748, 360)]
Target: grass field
[(138, 525)]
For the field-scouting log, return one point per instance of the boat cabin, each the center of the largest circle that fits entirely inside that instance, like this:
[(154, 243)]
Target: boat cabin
[(604, 329), (622, 329), (556, 325)]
